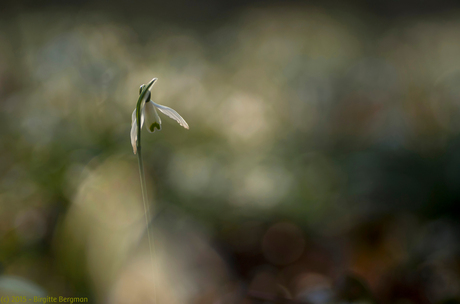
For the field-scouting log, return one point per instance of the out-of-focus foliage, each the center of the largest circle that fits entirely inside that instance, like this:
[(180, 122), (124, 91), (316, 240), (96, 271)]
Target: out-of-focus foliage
[(322, 162)]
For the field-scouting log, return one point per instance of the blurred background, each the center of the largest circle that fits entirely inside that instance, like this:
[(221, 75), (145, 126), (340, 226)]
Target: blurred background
[(322, 164)]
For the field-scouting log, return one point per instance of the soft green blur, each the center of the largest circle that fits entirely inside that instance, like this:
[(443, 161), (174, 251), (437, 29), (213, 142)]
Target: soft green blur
[(320, 142)]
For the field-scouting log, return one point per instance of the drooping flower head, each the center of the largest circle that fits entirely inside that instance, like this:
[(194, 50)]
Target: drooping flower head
[(146, 110)]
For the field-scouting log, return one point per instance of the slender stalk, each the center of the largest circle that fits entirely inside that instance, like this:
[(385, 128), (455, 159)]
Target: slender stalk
[(146, 213), (143, 184), (142, 177)]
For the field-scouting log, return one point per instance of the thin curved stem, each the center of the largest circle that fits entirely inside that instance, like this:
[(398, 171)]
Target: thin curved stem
[(142, 177), (146, 213)]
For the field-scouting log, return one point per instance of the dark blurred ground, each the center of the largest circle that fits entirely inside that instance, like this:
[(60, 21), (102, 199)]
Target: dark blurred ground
[(322, 164)]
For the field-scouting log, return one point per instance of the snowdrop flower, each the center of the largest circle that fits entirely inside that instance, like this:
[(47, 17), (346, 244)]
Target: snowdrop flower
[(150, 115)]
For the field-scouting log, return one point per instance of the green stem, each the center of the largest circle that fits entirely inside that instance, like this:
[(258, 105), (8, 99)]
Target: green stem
[(143, 185), (138, 147), (142, 176)]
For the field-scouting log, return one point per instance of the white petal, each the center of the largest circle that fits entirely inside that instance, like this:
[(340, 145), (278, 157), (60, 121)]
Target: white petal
[(152, 118), (133, 132), (142, 117), (133, 117), (134, 135), (171, 114)]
